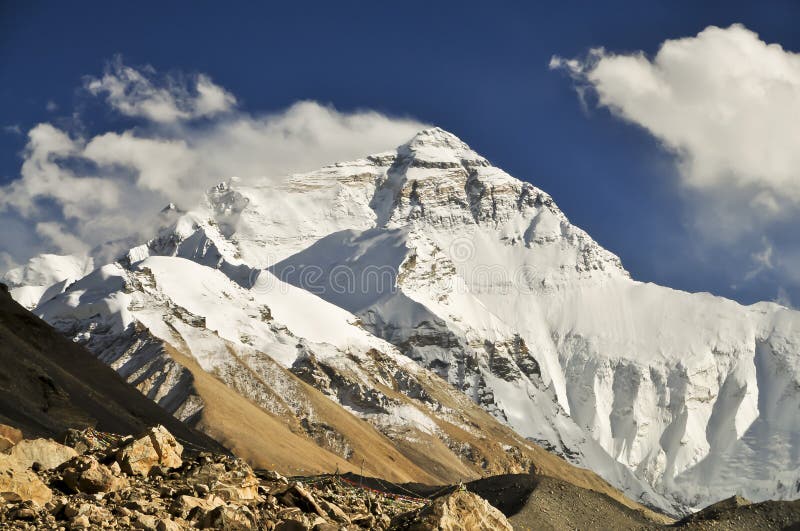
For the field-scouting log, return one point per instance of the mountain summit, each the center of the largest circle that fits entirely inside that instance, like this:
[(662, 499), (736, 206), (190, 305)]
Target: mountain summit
[(435, 145), (437, 297)]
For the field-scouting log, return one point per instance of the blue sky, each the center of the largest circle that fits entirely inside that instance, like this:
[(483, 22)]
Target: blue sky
[(479, 71)]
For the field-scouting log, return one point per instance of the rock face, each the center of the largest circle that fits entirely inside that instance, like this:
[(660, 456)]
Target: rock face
[(157, 447), (458, 511)]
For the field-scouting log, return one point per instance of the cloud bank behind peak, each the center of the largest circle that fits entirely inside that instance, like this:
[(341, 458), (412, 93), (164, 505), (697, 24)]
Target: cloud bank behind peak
[(74, 193)]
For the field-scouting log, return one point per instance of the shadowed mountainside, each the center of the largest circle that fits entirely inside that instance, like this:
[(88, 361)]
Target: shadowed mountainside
[(49, 384)]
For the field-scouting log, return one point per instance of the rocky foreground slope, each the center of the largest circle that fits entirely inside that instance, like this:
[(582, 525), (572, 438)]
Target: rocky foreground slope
[(440, 299), (103, 481), (99, 480)]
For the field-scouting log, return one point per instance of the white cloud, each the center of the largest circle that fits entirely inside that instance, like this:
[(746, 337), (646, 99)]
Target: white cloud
[(762, 260), (51, 106), (13, 129), (135, 93), (783, 298), (46, 176), (63, 242), (725, 102), (7, 262), (160, 165), (76, 193)]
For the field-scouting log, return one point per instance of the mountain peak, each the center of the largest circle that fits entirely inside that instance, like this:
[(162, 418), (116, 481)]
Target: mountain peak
[(435, 145), (438, 137)]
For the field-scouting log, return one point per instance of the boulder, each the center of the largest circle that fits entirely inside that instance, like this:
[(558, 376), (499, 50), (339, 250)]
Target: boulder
[(147, 522), (363, 520), (334, 512), (48, 453), (458, 511), (9, 436), (73, 509), (168, 525), (297, 496), (184, 505), (157, 447), (97, 515), (229, 517), (18, 483), (273, 475), (85, 474), (292, 524), (80, 522), (5, 443), (233, 481), (25, 513)]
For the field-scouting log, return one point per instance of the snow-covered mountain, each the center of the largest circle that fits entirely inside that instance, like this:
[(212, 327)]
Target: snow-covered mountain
[(44, 277), (344, 277)]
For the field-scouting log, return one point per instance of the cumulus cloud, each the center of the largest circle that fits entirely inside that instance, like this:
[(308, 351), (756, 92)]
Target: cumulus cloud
[(60, 240), (726, 104), (134, 92), (45, 175), (77, 193)]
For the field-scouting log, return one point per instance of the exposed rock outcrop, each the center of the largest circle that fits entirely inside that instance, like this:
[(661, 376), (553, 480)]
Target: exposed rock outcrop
[(458, 511), (156, 448)]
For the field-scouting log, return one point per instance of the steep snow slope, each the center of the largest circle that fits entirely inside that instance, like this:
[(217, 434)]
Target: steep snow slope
[(429, 253), (44, 277)]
